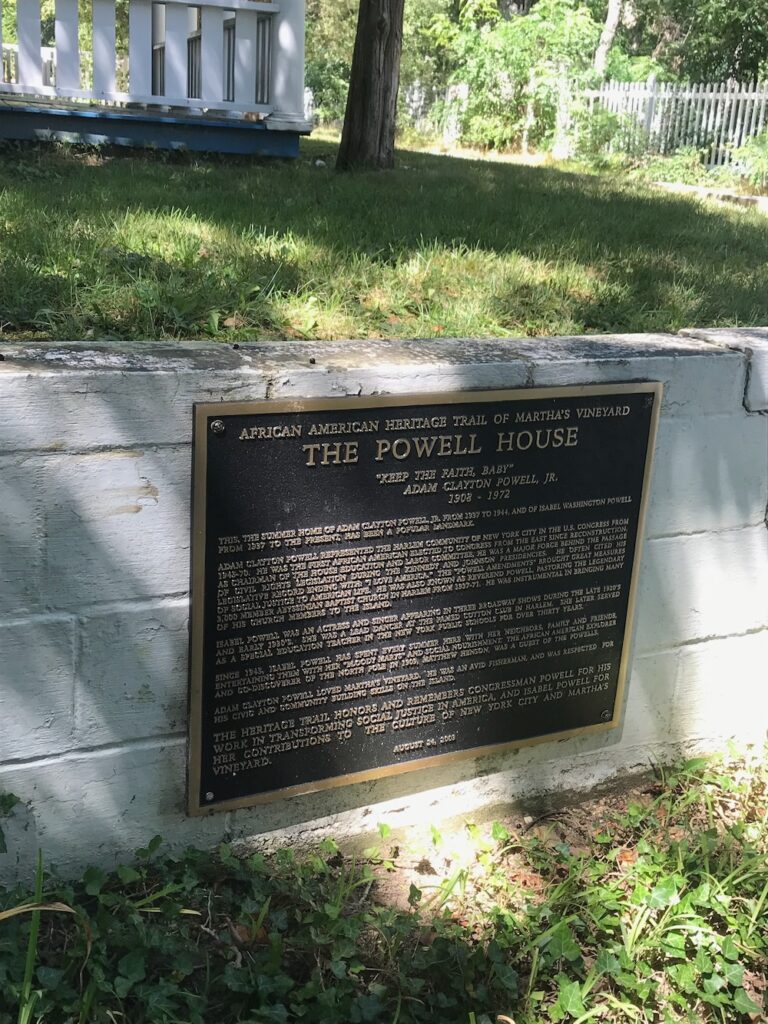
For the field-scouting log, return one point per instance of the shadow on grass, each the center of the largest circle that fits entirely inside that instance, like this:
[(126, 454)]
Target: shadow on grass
[(566, 252)]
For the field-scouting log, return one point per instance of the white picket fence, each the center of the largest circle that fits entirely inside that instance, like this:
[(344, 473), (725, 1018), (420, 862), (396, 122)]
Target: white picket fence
[(235, 56), (663, 117)]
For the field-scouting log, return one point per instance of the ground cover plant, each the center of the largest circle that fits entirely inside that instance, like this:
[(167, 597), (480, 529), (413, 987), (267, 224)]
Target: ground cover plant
[(747, 174), (114, 245), (644, 906)]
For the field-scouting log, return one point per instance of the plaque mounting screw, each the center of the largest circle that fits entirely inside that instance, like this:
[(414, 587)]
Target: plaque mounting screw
[(217, 427), (606, 716), (209, 796)]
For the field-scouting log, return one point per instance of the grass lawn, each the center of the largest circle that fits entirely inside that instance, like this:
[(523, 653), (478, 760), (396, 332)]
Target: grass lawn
[(122, 245), (645, 906)]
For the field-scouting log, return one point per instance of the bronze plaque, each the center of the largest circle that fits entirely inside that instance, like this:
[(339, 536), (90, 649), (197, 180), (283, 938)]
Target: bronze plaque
[(383, 583)]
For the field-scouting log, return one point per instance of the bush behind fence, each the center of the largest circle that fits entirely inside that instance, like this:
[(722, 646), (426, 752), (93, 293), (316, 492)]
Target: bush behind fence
[(660, 118)]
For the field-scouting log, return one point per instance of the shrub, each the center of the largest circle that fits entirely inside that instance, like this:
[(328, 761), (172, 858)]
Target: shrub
[(752, 159), (517, 70)]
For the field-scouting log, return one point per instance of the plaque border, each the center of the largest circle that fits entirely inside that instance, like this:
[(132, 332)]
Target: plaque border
[(205, 411)]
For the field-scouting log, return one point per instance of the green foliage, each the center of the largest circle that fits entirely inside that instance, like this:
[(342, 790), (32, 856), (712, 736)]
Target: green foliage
[(330, 43), (709, 40), (28, 997), (595, 130), (752, 158), (328, 78), (686, 166), (646, 910), (625, 67), (516, 69)]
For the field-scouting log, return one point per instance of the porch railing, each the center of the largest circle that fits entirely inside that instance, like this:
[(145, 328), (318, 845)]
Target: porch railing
[(235, 56)]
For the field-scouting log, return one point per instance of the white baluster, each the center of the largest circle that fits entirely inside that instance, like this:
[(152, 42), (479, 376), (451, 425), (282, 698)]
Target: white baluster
[(176, 31), (245, 56), (140, 47), (28, 31), (67, 45), (103, 46), (212, 54)]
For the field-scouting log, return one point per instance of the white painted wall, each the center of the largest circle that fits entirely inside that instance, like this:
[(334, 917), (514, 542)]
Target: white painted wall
[(95, 450)]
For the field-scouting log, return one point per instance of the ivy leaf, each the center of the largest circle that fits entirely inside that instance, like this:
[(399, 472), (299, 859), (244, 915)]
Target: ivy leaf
[(122, 987), (673, 944), (414, 895), (127, 874), (702, 962), (684, 976), (733, 974), (744, 1004), (562, 945), (712, 984), (7, 802), (94, 879), (665, 894), (49, 977), (702, 895), (607, 963), (569, 1002), (499, 833), (133, 966), (508, 977), (366, 1008)]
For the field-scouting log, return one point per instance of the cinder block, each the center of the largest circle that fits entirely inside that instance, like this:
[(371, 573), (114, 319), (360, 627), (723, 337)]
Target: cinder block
[(722, 691), (76, 396), (120, 798), (21, 535), (392, 379), (36, 687), (754, 342), (17, 865), (98, 807), (131, 674), (702, 586), (650, 694), (696, 383), (709, 473), (82, 408), (117, 525)]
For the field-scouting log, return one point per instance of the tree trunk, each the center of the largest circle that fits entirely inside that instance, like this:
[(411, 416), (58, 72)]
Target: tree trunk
[(607, 36), (368, 138)]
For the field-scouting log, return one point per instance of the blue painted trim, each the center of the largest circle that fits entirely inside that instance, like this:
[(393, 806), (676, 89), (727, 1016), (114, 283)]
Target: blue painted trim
[(143, 128)]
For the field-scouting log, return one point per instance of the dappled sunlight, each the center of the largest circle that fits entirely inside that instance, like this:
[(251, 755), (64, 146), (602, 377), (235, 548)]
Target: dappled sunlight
[(234, 250)]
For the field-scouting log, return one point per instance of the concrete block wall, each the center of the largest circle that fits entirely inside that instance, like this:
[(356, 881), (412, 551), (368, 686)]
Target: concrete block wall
[(95, 461)]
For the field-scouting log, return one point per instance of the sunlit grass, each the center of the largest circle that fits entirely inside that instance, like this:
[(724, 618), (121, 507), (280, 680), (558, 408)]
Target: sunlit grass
[(141, 246)]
